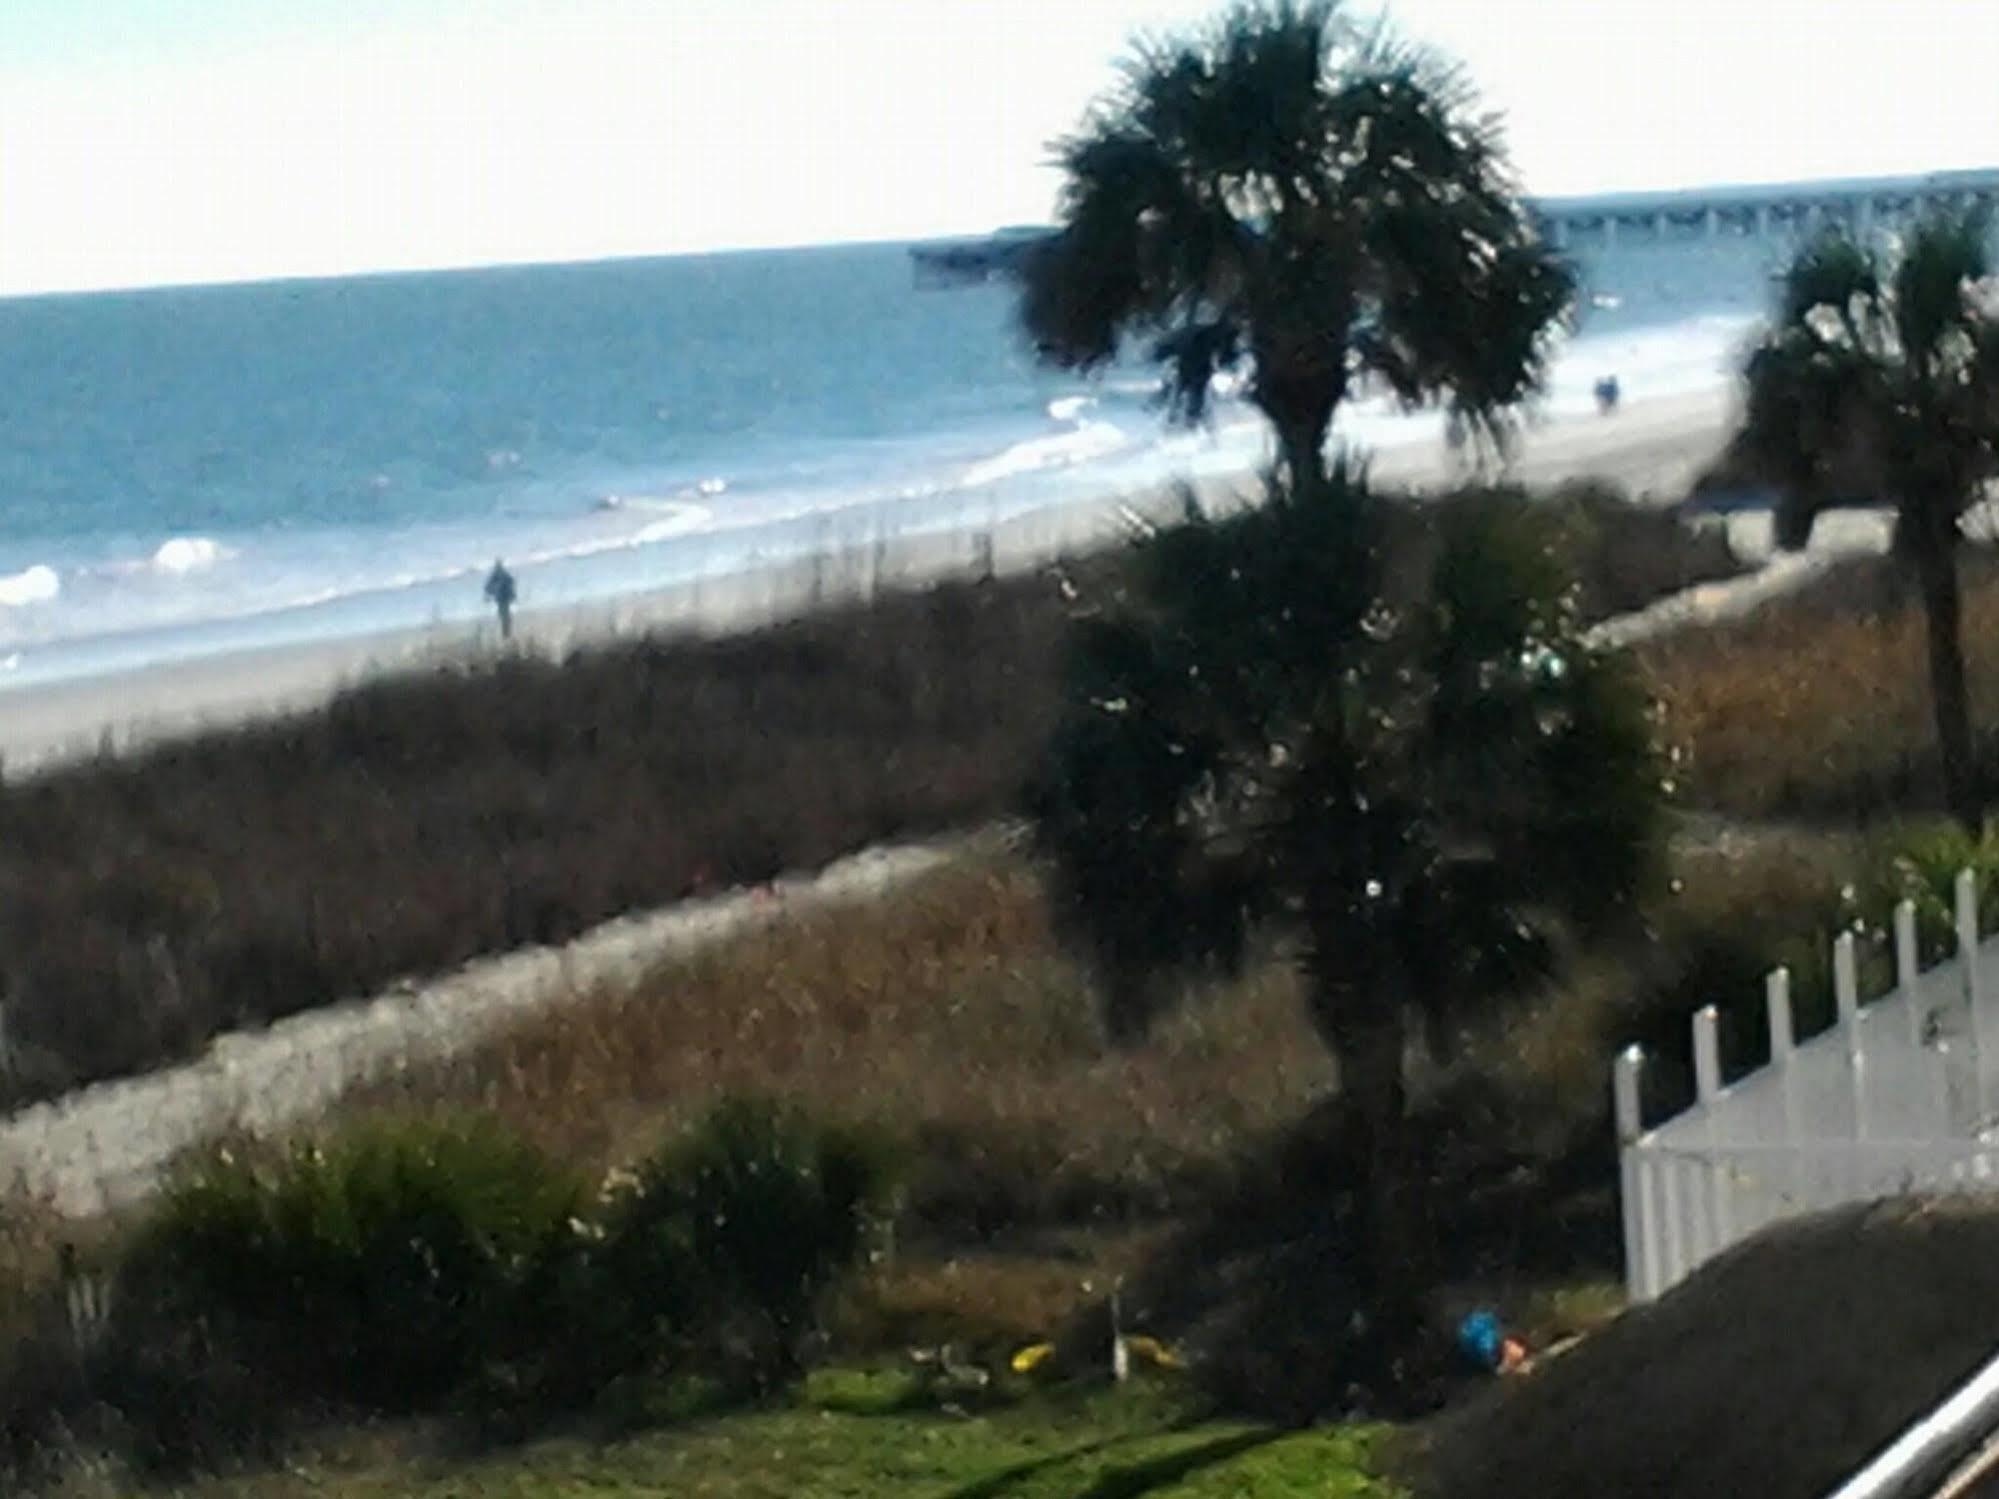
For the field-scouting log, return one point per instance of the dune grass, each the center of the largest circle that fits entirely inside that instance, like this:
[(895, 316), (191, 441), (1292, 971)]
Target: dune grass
[(422, 820), (949, 1016), (1818, 705), (148, 903)]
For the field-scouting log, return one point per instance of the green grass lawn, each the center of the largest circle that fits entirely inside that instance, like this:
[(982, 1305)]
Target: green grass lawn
[(860, 1437)]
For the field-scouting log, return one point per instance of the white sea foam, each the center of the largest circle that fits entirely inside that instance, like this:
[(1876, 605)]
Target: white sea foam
[(689, 518), (666, 519), (171, 558), (33, 585), (1698, 353), (677, 503), (670, 517), (186, 554), (1089, 440), (1086, 440)]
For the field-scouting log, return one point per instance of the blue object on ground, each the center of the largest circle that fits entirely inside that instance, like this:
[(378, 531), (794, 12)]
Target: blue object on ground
[(1481, 1340)]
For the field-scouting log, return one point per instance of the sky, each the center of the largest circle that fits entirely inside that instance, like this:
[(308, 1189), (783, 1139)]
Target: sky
[(156, 141)]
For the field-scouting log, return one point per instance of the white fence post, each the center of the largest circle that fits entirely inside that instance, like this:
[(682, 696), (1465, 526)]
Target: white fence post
[(1783, 1050), (1967, 956), (1846, 999), (1707, 1087), (1707, 1055), (1905, 966), (1639, 1260)]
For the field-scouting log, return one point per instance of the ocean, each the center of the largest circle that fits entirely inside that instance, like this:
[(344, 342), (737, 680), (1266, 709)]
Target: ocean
[(194, 470)]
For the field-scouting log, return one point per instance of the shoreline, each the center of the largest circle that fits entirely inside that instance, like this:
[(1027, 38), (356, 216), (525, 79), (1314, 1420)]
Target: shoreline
[(1652, 448)]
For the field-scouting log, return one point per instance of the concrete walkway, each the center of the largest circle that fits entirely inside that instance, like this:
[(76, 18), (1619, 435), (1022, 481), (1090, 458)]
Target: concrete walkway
[(107, 1146)]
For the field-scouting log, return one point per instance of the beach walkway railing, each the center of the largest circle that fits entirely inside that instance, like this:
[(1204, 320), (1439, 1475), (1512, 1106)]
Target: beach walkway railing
[(1897, 1095)]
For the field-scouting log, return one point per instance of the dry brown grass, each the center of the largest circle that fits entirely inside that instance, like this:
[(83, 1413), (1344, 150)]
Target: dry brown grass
[(947, 1017), (1819, 704), (417, 821), (29, 1235), (986, 1304), (420, 820)]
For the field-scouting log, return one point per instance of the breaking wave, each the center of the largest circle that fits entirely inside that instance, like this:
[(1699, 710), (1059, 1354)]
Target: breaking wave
[(32, 585)]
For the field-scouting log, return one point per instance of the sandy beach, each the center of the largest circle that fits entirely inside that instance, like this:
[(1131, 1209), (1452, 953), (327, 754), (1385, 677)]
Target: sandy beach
[(1653, 449)]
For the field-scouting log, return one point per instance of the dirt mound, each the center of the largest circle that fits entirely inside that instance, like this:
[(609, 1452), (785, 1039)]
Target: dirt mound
[(1776, 1372)]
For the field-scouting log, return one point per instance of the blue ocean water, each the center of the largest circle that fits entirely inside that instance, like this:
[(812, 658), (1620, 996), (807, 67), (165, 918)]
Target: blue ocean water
[(198, 469)]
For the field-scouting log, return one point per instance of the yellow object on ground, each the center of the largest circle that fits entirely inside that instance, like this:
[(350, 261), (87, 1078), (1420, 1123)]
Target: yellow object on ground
[(1034, 1354)]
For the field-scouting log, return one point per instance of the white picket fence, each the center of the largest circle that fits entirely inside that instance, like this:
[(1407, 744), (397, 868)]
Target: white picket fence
[(1898, 1095)]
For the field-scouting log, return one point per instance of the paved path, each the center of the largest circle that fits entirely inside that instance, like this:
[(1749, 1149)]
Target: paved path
[(107, 1145)]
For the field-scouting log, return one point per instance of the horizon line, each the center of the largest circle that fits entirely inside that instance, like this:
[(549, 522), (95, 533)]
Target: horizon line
[(450, 267), (612, 257)]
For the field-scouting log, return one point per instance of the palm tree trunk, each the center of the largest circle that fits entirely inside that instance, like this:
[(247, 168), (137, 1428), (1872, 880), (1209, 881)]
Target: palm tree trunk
[(1301, 444), (1936, 569), (1300, 407), (1390, 1252), (1128, 994)]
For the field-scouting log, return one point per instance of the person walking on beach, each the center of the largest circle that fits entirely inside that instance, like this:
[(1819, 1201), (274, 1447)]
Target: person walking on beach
[(500, 589)]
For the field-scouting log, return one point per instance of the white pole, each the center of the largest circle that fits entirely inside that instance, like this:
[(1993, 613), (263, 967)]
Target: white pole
[(1783, 1045), (1846, 994), (1624, 1079), (1707, 1085), (1967, 952), (1905, 965), (1707, 1056), (1673, 1238), (1777, 999), (1926, 1079)]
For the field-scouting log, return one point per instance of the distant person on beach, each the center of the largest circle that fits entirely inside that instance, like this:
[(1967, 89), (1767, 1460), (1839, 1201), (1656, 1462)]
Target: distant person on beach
[(500, 589), (1607, 393)]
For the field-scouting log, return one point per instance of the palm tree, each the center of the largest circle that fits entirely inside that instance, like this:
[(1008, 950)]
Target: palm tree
[(1407, 785), (1322, 203), (1884, 381)]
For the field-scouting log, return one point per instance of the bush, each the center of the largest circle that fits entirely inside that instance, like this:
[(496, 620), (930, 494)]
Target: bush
[(748, 1217), (1921, 864), (420, 1264), (381, 1269)]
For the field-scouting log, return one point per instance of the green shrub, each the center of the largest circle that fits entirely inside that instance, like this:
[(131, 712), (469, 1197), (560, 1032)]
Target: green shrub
[(748, 1217), (1921, 864), (380, 1268)]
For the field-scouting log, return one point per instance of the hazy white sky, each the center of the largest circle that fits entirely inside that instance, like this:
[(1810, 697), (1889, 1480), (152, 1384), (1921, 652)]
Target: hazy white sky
[(147, 141)]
